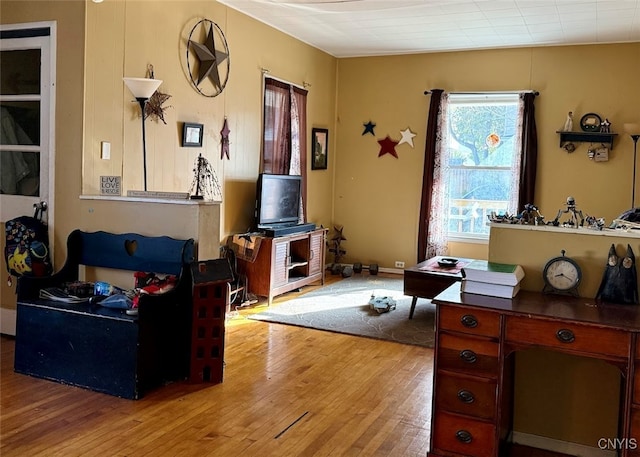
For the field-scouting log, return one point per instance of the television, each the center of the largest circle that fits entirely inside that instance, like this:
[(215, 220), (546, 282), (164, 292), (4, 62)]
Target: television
[(277, 200)]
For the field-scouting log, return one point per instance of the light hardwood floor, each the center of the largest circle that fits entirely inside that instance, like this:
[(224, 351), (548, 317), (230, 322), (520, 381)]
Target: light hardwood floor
[(287, 391)]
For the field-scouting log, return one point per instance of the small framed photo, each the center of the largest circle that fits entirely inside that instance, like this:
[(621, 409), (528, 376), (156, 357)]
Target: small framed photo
[(319, 148), (192, 135)]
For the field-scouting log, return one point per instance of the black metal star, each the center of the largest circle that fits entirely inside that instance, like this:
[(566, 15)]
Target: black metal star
[(338, 236), (209, 58)]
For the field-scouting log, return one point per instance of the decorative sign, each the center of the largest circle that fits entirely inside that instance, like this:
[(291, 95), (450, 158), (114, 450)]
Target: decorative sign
[(110, 185)]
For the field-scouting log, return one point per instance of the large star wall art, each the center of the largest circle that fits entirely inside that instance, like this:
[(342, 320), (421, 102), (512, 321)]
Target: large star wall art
[(208, 63)]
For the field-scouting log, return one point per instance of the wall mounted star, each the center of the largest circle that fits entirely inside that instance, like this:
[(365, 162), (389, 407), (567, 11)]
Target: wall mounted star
[(407, 136), (212, 59), (224, 140), (368, 128), (388, 146), (154, 109)]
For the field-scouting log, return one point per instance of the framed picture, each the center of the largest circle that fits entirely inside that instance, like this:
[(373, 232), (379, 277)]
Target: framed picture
[(319, 148), (192, 135)]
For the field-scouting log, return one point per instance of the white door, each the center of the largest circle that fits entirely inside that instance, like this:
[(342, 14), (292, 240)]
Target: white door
[(26, 118)]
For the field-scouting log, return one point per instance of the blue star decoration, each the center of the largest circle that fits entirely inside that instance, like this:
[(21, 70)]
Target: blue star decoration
[(368, 128), (388, 146), (209, 59)]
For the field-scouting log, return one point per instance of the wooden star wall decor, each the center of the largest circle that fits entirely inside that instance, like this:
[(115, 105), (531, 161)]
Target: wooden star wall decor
[(368, 128), (388, 146)]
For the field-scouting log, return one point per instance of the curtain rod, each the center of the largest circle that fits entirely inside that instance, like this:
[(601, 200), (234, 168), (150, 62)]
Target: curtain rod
[(534, 92), (305, 85)]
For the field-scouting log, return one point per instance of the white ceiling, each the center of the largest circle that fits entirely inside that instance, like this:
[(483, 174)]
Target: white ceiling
[(349, 28)]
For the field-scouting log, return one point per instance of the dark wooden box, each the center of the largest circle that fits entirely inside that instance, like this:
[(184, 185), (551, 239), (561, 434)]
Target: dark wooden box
[(105, 349)]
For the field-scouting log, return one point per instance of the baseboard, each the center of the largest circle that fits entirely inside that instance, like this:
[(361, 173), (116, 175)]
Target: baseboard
[(8, 321), (563, 447)]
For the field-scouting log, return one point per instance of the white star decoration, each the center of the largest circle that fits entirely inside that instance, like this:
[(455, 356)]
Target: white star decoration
[(407, 136)]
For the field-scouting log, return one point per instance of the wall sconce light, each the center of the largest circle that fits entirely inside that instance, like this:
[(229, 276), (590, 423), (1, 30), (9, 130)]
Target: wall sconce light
[(634, 131), (142, 89)]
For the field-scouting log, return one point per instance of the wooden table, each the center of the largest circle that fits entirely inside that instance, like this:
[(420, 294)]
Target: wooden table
[(476, 337), (427, 279)]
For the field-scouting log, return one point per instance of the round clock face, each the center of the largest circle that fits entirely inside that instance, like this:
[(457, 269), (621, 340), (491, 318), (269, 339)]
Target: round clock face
[(562, 274)]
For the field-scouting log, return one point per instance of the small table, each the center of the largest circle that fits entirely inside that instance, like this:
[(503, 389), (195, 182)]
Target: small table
[(427, 279)]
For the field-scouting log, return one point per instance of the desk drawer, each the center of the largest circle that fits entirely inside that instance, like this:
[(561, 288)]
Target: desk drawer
[(464, 436), (566, 335), (472, 321), (471, 396), (473, 356)]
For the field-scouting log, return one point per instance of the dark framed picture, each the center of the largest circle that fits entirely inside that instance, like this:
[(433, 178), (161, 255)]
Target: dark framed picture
[(192, 135), (319, 148)]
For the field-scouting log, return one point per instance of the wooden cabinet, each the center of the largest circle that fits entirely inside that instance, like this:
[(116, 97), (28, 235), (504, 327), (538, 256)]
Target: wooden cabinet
[(466, 375), (286, 263), (476, 338)]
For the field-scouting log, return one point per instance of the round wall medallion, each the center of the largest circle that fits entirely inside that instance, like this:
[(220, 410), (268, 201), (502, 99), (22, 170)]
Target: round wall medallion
[(208, 63), (590, 122)]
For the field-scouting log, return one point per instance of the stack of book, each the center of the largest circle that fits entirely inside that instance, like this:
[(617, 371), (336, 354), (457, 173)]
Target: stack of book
[(491, 278)]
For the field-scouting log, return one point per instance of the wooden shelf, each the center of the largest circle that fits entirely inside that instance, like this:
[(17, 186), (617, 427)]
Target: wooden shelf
[(587, 137)]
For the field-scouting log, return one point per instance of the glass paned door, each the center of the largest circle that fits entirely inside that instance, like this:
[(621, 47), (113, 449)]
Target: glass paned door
[(25, 130)]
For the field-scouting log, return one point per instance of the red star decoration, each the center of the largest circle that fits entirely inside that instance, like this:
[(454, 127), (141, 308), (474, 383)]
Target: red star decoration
[(388, 146)]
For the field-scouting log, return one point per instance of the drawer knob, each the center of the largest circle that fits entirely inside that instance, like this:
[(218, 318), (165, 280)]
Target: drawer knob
[(468, 356), (465, 396), (464, 436), (469, 321), (565, 335)]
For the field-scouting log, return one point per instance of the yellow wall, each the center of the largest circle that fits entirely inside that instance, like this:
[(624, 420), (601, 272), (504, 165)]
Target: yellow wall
[(124, 37), (377, 199)]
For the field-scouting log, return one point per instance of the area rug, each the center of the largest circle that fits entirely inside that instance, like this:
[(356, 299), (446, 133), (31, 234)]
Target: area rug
[(343, 307)]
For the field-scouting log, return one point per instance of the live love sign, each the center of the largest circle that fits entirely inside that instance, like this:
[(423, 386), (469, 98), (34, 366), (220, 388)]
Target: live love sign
[(110, 185)]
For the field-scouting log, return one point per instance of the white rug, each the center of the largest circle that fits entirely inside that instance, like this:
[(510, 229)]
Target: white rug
[(343, 307)]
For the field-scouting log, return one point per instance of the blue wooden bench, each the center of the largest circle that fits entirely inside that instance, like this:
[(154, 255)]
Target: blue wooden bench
[(105, 349)]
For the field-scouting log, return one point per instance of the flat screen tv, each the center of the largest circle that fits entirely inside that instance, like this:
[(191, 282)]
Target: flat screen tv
[(277, 200)]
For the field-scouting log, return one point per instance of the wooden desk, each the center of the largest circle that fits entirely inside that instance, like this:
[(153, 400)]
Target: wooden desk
[(476, 337), (421, 282)]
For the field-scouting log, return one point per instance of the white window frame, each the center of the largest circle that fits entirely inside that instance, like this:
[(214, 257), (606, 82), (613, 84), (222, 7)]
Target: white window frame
[(511, 207)]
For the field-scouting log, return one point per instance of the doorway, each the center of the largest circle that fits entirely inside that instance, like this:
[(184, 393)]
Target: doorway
[(27, 131)]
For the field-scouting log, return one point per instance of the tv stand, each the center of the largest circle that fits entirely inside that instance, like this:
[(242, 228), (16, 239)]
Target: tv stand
[(285, 263)]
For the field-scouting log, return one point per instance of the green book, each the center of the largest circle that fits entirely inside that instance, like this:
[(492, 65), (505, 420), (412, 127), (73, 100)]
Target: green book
[(493, 273)]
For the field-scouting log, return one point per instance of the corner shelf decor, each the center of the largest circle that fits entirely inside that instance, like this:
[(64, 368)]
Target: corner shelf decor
[(587, 137)]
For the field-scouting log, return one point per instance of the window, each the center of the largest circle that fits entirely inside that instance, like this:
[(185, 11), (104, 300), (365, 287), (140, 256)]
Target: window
[(480, 161), (284, 133)]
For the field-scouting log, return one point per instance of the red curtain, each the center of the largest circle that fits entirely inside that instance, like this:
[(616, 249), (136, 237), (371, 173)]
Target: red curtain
[(283, 104), (427, 173), (276, 153)]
